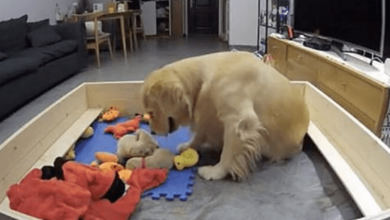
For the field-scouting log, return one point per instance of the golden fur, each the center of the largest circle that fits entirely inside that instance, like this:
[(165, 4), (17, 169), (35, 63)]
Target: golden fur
[(233, 102)]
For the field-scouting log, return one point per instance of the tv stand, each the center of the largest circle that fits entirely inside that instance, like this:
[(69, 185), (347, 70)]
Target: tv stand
[(340, 53), (354, 85), (317, 43)]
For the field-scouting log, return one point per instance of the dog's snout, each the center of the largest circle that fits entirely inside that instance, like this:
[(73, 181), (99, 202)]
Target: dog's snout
[(153, 133)]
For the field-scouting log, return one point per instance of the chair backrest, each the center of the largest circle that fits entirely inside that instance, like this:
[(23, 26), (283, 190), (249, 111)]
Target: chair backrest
[(92, 23), (88, 16)]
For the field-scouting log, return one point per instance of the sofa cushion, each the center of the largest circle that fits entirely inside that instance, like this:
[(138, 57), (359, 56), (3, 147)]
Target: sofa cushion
[(3, 56), (13, 35), (43, 36), (43, 55), (32, 26), (14, 67)]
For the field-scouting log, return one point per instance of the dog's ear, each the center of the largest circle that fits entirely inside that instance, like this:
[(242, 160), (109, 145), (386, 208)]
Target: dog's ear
[(172, 93)]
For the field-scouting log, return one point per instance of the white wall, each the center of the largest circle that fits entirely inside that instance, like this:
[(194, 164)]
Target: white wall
[(36, 9), (243, 22)]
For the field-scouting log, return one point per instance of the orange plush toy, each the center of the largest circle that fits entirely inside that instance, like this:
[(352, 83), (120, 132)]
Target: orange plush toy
[(110, 115), (123, 128), (108, 162)]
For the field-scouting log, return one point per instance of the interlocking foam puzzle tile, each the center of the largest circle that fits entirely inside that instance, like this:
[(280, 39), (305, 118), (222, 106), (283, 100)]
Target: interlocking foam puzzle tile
[(85, 148), (179, 183)]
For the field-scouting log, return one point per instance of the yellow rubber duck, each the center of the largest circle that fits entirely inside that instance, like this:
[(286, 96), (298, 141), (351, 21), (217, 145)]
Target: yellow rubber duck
[(187, 158)]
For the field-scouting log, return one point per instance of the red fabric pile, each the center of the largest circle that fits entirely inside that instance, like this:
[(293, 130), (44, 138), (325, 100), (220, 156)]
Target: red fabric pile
[(78, 195)]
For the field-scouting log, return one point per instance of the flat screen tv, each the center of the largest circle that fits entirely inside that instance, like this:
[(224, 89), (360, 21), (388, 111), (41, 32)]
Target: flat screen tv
[(357, 23)]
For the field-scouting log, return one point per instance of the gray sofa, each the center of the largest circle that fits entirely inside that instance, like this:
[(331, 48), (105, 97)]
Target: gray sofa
[(36, 56)]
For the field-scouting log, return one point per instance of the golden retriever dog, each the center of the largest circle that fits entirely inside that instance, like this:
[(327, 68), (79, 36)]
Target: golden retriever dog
[(233, 102)]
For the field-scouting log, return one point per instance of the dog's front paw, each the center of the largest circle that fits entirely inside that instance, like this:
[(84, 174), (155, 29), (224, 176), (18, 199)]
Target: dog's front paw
[(216, 172)]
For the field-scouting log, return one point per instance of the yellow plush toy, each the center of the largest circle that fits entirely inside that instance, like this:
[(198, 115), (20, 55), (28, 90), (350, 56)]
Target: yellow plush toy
[(187, 158)]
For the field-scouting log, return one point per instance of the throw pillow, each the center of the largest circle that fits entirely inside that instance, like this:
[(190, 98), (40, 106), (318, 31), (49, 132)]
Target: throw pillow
[(32, 26), (3, 56), (43, 36), (13, 35)]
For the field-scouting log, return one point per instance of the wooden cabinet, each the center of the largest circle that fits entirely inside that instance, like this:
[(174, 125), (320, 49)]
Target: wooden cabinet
[(365, 98), (279, 51), (301, 66)]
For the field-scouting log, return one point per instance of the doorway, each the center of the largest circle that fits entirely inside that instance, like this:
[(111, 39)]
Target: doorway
[(203, 17)]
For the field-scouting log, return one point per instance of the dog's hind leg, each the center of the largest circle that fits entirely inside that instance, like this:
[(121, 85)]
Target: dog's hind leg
[(243, 137)]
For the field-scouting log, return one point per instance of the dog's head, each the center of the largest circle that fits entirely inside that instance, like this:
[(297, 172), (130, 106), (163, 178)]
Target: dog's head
[(167, 102)]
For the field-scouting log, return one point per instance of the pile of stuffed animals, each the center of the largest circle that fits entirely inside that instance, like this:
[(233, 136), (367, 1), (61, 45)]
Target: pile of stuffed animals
[(97, 191), (136, 148)]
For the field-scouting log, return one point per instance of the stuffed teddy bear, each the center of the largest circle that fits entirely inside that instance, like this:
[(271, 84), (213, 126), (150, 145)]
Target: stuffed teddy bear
[(139, 144), (141, 150), (133, 150)]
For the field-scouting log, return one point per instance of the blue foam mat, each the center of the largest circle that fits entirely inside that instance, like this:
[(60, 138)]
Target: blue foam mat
[(178, 184)]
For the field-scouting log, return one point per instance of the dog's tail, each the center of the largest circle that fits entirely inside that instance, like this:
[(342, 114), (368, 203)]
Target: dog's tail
[(252, 136)]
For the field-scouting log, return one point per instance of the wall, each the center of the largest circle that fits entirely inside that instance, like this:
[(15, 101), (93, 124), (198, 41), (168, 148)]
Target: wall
[(36, 9), (243, 22)]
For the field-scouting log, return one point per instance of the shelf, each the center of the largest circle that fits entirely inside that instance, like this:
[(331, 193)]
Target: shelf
[(263, 25)]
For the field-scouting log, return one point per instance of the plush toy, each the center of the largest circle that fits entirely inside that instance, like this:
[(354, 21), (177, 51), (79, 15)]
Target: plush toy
[(110, 115), (139, 144), (187, 158), (123, 128), (163, 158), (88, 132), (71, 154), (145, 118), (140, 148), (80, 192), (107, 162)]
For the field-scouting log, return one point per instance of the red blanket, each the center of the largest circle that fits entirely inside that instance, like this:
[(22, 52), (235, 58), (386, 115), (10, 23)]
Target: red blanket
[(57, 199)]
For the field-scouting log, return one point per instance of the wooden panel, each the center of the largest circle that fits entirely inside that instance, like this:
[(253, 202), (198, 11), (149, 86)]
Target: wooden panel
[(361, 98), (382, 216), (356, 188), (278, 50), (301, 66), (365, 153), (124, 95), (19, 152)]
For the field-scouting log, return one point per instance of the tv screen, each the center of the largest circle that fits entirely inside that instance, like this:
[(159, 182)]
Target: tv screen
[(358, 22)]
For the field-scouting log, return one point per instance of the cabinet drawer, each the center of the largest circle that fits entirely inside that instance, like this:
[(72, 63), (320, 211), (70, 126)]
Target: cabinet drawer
[(302, 58), (361, 98), (296, 72), (278, 51), (301, 66)]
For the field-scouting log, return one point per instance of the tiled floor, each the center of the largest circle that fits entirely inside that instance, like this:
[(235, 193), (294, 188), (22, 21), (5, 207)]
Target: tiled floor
[(152, 54)]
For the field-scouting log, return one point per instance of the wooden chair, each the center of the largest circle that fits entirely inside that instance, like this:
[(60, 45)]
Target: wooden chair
[(137, 26), (98, 37)]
